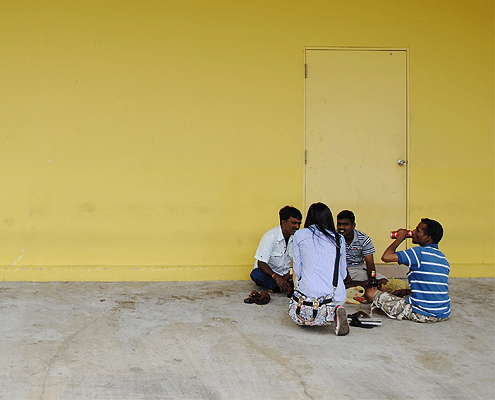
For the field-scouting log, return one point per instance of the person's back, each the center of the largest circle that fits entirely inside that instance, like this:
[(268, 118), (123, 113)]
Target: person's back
[(319, 271), (314, 262), (429, 280)]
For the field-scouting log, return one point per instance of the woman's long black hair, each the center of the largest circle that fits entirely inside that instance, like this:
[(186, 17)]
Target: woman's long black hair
[(321, 216)]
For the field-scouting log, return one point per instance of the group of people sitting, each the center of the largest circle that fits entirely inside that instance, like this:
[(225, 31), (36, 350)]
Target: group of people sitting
[(327, 259)]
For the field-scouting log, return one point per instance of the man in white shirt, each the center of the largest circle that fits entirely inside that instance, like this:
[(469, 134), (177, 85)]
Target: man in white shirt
[(274, 254)]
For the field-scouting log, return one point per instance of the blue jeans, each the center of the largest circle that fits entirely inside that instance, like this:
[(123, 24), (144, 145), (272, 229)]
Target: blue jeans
[(263, 280)]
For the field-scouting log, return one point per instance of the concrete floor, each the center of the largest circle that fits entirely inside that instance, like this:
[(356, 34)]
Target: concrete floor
[(198, 340)]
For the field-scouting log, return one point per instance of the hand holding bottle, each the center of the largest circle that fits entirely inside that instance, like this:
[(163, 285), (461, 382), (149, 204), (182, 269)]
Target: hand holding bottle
[(373, 283)]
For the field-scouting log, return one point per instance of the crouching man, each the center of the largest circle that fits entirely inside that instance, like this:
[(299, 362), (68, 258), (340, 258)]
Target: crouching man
[(275, 251), (428, 299)]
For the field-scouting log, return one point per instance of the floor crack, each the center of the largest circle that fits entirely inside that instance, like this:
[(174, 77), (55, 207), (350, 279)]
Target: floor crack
[(63, 346), (282, 361)]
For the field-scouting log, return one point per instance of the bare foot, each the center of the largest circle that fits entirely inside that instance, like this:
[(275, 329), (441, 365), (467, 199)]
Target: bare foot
[(369, 294)]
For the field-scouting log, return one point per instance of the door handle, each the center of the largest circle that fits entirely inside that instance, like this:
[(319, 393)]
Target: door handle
[(402, 162)]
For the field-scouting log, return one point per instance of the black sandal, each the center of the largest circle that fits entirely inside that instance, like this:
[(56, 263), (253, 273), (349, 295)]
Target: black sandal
[(362, 320), (357, 323)]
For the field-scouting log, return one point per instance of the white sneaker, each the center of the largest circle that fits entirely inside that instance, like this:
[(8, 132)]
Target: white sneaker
[(342, 325)]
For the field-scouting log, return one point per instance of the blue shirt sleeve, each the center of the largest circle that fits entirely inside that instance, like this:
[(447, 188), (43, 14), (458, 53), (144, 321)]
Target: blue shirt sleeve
[(408, 257)]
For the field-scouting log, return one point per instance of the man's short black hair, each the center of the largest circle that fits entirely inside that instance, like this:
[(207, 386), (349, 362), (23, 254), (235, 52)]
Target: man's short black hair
[(346, 214), (287, 212), (433, 229)]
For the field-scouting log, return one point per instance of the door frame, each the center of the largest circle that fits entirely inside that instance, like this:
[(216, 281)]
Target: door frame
[(408, 114)]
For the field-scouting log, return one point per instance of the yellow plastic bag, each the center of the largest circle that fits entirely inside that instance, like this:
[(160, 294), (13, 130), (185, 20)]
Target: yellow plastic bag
[(393, 285)]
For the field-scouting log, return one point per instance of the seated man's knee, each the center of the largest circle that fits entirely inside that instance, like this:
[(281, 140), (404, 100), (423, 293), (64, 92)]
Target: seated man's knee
[(262, 279), (257, 275)]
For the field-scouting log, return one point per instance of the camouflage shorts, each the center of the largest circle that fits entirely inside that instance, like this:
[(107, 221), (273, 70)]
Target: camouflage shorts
[(397, 307)]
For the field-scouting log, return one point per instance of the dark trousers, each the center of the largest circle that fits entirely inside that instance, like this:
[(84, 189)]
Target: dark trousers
[(266, 281), (263, 280)]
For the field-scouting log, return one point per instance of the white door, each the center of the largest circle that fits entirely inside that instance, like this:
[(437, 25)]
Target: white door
[(356, 136)]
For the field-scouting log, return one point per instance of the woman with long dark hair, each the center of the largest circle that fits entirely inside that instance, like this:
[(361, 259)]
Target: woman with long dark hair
[(319, 250)]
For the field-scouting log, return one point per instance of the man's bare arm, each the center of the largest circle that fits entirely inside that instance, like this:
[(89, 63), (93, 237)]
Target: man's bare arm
[(282, 281), (370, 264), (265, 268)]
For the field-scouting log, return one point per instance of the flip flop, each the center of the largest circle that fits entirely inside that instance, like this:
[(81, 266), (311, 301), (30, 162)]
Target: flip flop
[(254, 297), (361, 318), (367, 319), (354, 321), (264, 298), (359, 313)]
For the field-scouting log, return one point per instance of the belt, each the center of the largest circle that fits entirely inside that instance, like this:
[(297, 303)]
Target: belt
[(311, 303)]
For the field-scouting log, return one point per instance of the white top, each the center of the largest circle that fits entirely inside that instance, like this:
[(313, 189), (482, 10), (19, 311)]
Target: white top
[(314, 263), (273, 251)]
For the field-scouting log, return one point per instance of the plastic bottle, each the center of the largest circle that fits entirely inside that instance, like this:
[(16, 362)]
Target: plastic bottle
[(373, 282)]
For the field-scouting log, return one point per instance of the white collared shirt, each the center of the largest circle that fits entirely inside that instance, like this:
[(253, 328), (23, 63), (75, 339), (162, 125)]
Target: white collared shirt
[(273, 251)]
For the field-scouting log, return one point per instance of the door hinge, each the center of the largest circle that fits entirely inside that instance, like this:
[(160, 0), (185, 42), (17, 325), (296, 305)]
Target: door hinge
[(305, 156), (305, 70)]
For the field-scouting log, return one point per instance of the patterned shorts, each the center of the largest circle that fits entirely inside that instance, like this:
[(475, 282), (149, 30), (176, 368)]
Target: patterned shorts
[(397, 307)]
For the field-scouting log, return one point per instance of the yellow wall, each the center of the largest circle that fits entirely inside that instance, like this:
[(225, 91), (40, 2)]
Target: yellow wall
[(157, 140)]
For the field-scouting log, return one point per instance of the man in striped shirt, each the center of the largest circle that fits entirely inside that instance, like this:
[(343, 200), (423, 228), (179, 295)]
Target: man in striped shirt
[(428, 299), (359, 250)]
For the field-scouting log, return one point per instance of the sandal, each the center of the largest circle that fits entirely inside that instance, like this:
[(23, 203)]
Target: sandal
[(254, 297), (354, 321), (264, 298), (363, 320)]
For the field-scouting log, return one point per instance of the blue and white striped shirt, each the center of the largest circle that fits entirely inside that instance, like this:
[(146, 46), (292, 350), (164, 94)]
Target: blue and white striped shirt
[(429, 280)]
